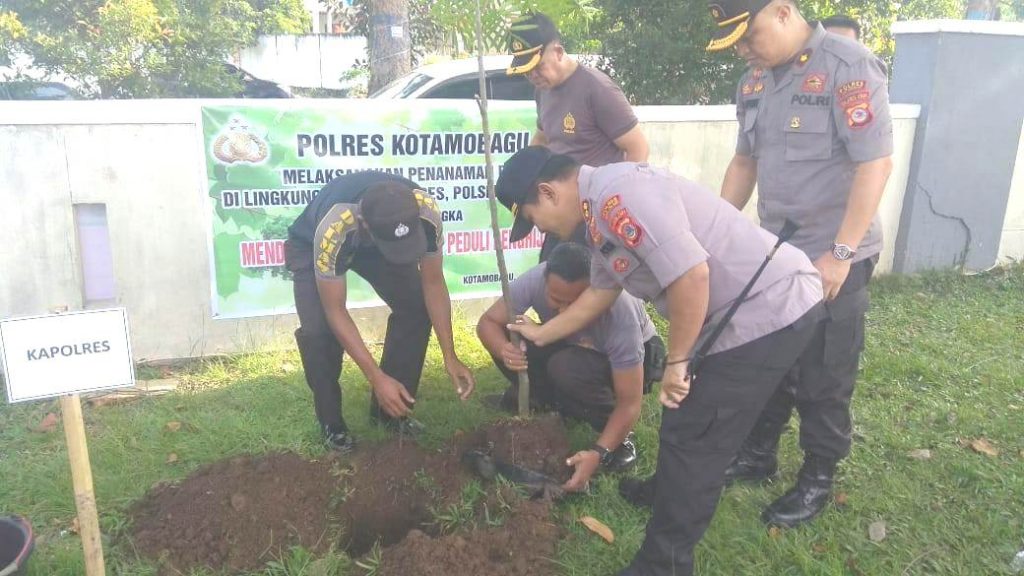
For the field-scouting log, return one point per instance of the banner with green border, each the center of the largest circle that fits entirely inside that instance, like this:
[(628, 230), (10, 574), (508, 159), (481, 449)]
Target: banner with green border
[(265, 162)]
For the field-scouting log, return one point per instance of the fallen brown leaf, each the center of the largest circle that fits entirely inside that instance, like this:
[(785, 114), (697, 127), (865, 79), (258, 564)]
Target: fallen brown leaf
[(774, 532), (819, 548), (172, 458), (840, 498), (47, 424), (173, 426), (599, 528), (876, 531), (983, 446), (74, 525)]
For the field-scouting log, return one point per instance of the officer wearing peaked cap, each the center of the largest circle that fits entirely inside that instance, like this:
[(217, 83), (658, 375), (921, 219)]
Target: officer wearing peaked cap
[(581, 112), (674, 243), (816, 137), (388, 231)]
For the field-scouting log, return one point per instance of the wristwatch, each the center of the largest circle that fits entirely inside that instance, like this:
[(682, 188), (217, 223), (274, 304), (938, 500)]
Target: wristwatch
[(842, 252), (606, 456)]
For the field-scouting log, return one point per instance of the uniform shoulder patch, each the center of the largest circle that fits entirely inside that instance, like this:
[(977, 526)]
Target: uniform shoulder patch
[(609, 205), (627, 229), (334, 231), (430, 213)]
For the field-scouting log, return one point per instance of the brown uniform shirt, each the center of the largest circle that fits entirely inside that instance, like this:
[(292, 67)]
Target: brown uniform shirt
[(808, 126), (584, 115), (647, 227)]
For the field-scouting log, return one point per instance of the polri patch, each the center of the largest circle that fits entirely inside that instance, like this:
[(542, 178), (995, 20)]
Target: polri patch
[(859, 116), (621, 265), (852, 86), (629, 231)]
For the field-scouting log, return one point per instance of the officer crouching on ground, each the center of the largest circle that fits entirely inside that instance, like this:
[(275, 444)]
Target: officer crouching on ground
[(387, 230), (674, 243), (598, 374)]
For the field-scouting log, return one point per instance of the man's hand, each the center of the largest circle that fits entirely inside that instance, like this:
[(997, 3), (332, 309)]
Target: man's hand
[(461, 377), (514, 357), (393, 398), (833, 274), (586, 463), (675, 385), (528, 329)]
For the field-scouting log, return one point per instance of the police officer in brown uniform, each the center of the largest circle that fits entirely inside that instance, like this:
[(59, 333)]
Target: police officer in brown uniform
[(672, 242), (816, 137), (387, 230), (581, 112)]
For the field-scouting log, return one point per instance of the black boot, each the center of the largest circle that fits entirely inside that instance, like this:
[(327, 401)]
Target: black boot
[(338, 438), (638, 491), (807, 499), (756, 461)]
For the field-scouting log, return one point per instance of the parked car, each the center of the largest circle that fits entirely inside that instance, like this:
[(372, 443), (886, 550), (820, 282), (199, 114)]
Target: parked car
[(36, 90), (253, 87), (459, 79)]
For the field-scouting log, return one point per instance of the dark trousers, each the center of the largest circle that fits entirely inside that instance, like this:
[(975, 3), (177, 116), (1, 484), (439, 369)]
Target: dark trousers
[(821, 383), (700, 438), (405, 344), (577, 381)]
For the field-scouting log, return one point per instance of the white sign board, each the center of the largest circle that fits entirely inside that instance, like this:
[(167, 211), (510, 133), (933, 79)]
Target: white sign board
[(71, 353)]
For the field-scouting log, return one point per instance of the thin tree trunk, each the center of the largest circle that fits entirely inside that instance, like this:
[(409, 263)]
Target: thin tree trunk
[(388, 42), (982, 10)]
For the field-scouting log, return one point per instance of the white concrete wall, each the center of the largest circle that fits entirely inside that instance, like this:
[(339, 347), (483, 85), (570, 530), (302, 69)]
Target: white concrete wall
[(142, 159), (311, 61), (1011, 246), (701, 149)]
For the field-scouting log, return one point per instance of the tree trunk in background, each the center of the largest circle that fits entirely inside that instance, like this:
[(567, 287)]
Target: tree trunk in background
[(388, 42), (982, 10)]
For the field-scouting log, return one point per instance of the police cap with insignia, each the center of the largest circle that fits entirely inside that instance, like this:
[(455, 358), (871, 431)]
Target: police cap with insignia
[(392, 217), (526, 40), (732, 18)]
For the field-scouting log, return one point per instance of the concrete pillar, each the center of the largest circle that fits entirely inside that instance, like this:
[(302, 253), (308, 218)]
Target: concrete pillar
[(968, 78)]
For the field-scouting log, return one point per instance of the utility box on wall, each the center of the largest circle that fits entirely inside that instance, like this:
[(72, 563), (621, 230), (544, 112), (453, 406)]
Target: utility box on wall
[(968, 77)]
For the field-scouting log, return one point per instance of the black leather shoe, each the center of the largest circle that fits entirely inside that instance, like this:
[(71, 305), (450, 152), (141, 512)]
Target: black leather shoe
[(752, 466), (637, 491), (756, 461), (339, 439), (624, 456), (807, 499), (408, 426)]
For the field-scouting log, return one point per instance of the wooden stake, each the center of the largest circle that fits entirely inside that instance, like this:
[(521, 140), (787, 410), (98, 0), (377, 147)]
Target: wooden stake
[(81, 477), (481, 100)]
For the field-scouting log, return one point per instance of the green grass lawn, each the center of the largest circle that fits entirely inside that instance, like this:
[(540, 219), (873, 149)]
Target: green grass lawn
[(944, 365)]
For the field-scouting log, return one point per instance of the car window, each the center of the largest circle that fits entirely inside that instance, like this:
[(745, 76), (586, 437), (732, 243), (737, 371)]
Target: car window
[(461, 87), (403, 87), (504, 87), (37, 91)]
